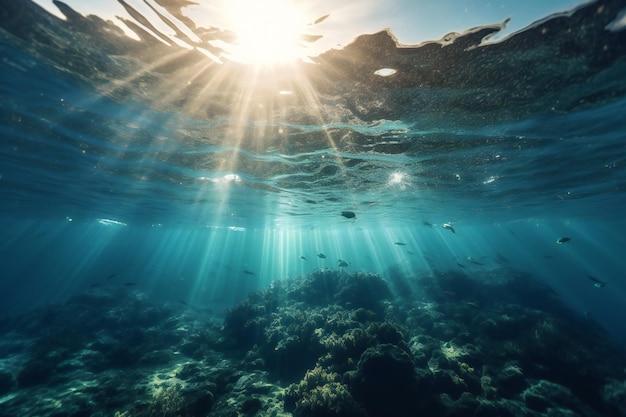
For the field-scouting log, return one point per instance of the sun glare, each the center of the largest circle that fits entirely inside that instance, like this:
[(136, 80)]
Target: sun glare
[(268, 31)]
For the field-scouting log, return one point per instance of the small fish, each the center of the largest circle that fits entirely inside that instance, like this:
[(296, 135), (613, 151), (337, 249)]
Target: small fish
[(449, 227), (563, 240), (460, 265), (425, 223), (130, 284), (303, 258), (245, 271), (348, 214), (320, 19), (342, 263), (321, 255), (400, 243), (410, 253), (596, 282), (94, 285), (111, 276), (472, 260), (183, 303)]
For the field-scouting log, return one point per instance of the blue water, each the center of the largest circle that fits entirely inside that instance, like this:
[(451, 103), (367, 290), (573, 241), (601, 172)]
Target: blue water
[(107, 190)]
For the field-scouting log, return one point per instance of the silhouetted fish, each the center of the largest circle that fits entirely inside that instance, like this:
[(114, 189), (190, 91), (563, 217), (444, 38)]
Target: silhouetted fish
[(348, 214), (460, 265), (321, 255), (321, 19), (95, 284), (310, 38), (563, 240), (183, 303), (303, 258), (425, 223), (400, 243), (342, 263), (111, 276), (129, 284), (245, 271), (449, 227), (596, 282)]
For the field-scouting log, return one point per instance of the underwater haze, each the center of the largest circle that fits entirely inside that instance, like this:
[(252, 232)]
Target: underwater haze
[(194, 224)]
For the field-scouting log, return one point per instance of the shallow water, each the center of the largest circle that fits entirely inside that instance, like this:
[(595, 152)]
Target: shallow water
[(143, 170)]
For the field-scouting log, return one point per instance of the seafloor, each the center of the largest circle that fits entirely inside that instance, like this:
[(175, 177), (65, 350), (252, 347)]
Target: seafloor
[(331, 343)]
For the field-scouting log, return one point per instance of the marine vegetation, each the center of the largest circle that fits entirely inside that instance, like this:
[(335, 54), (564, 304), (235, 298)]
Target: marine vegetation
[(327, 344)]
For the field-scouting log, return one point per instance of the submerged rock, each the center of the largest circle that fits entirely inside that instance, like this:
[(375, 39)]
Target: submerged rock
[(385, 381)]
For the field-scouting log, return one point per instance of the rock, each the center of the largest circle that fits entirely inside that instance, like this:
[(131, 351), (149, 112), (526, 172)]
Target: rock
[(511, 380), (614, 396), (545, 394), (35, 372), (251, 406), (201, 403), (6, 382), (385, 382)]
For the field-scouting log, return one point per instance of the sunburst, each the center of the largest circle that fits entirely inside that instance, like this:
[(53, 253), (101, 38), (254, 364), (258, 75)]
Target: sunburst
[(267, 31)]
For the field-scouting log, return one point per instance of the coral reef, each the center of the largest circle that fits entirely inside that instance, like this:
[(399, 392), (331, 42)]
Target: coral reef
[(328, 344)]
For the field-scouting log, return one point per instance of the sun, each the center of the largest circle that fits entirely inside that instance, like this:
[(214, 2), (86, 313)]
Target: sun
[(267, 31)]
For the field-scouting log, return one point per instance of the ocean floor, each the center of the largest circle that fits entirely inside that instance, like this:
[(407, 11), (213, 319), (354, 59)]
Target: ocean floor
[(331, 343)]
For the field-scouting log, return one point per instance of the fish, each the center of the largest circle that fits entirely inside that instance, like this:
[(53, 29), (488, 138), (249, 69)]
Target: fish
[(472, 260), (130, 284), (245, 271), (400, 243), (348, 214), (320, 19), (410, 253), (94, 285), (563, 240), (425, 223), (596, 282), (460, 265), (342, 263), (111, 276), (449, 227), (321, 255), (303, 258)]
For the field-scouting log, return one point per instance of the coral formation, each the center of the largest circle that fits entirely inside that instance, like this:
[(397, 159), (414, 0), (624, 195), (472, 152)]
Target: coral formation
[(328, 344)]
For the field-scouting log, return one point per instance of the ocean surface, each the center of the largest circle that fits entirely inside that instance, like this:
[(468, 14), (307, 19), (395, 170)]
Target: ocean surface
[(185, 235)]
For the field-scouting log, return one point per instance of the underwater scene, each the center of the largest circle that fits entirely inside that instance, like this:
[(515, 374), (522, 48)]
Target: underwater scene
[(312, 208)]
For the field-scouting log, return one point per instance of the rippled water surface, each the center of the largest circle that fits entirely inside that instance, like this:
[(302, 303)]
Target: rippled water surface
[(98, 125)]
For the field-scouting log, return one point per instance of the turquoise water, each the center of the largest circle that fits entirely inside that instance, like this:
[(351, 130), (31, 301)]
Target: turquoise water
[(190, 185)]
